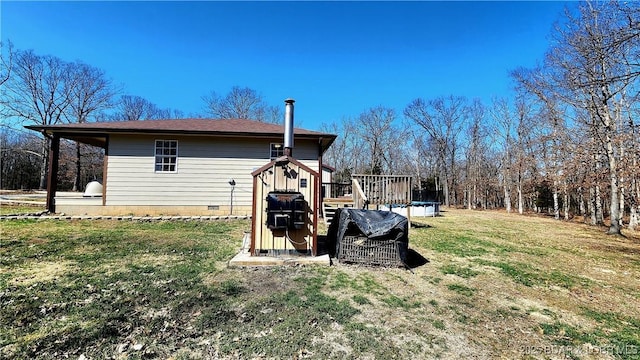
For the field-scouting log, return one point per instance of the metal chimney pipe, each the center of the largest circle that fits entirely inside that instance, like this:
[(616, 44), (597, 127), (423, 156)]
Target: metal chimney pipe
[(288, 127)]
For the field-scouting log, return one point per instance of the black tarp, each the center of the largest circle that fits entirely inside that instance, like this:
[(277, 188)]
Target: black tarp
[(376, 226)]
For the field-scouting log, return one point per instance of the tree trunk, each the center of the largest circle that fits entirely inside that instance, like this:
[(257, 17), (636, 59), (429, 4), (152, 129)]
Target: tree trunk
[(592, 206), (634, 197), (581, 203), (44, 163), (566, 202), (507, 198), (634, 213), (621, 202), (622, 188), (599, 216), (520, 200), (614, 227), (556, 205), (475, 195), (634, 217), (445, 189), (486, 199)]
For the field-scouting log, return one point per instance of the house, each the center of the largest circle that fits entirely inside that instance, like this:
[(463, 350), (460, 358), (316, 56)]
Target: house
[(177, 167)]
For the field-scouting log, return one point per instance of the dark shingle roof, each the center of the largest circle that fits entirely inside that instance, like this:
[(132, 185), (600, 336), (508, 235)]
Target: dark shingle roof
[(210, 126), (87, 132)]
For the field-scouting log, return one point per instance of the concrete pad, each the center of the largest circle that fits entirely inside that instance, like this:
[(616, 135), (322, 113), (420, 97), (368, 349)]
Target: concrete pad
[(245, 259)]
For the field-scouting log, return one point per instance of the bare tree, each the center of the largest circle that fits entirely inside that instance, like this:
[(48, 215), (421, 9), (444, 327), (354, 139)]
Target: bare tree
[(630, 146), (344, 153), (475, 151), (525, 153), (38, 93), (597, 60), (154, 112), (6, 61), (381, 140), (504, 126), (593, 62), (91, 92), (133, 108), (20, 159), (241, 103), (443, 119)]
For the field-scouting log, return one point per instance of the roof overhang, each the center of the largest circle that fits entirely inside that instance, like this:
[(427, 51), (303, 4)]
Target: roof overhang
[(97, 136), (94, 139)]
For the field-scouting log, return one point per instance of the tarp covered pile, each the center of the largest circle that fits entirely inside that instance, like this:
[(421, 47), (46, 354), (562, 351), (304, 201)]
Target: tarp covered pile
[(369, 237)]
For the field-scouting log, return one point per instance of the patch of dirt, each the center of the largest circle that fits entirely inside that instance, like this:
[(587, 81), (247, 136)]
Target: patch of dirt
[(119, 265), (42, 271), (619, 246), (156, 260)]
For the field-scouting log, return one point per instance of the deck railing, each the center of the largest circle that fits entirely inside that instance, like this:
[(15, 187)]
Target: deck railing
[(382, 189), (336, 190), (360, 198)]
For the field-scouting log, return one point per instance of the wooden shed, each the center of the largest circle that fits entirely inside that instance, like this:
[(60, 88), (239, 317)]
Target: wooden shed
[(285, 217), (286, 195)]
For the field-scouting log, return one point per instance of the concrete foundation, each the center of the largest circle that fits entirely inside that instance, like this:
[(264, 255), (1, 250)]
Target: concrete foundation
[(82, 207), (245, 259)]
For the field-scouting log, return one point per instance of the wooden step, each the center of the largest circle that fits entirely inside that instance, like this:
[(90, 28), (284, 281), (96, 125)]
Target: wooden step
[(330, 206)]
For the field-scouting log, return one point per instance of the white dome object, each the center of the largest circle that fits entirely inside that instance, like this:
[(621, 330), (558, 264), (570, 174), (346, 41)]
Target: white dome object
[(93, 189)]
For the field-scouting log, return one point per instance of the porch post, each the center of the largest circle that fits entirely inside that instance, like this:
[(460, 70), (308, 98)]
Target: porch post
[(52, 178), (105, 171)]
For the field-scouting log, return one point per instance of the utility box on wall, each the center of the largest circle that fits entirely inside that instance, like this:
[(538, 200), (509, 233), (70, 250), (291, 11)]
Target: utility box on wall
[(285, 216)]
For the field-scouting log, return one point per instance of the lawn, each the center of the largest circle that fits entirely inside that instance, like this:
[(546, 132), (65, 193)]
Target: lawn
[(495, 286), (20, 209)]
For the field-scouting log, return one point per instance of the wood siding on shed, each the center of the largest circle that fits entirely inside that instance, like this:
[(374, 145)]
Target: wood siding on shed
[(204, 167), (288, 178)]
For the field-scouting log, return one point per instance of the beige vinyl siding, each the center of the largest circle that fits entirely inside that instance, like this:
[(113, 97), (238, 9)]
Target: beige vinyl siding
[(307, 153), (326, 176), (204, 167), (326, 183)]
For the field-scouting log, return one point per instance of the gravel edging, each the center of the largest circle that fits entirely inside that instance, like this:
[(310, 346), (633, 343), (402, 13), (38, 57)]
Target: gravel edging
[(123, 218)]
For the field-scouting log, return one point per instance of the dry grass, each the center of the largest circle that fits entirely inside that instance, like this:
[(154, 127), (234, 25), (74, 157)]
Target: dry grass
[(495, 286), (534, 275), (16, 209)]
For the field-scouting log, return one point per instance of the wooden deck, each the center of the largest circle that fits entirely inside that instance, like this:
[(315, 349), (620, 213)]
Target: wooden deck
[(371, 190)]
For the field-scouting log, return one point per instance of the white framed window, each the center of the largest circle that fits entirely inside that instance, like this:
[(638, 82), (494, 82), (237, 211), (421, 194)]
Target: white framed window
[(276, 150), (166, 155)]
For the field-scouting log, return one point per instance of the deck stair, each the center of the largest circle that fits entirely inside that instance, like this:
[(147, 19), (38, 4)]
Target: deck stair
[(331, 205)]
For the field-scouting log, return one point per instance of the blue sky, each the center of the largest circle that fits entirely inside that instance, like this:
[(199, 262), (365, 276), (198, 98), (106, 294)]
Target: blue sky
[(336, 59)]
